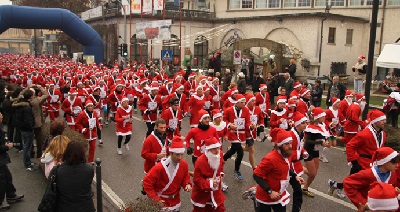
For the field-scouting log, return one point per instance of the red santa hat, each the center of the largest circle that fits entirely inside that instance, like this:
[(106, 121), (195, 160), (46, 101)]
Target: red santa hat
[(359, 97), (375, 116), (170, 81), (95, 87), (250, 97), (179, 86), (50, 83), (153, 87), (281, 99), (348, 93), (304, 91), (216, 113), (240, 97), (206, 88), (212, 143), (382, 197), (297, 84), (177, 145), (361, 57), (199, 87), (88, 103), (143, 80), (291, 103), (318, 112), (214, 79), (262, 87), (293, 96), (335, 100), (124, 99), (383, 155), (279, 136), (299, 118), (72, 91), (234, 90), (192, 75), (202, 113)]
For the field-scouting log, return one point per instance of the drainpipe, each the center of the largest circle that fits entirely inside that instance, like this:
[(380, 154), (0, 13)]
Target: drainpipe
[(320, 44), (382, 22)]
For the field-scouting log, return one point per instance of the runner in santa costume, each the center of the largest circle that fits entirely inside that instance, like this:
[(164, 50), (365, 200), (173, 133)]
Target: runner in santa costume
[(383, 170), (209, 102), (304, 105), (256, 118), (215, 91), (82, 93), (315, 135), (72, 107), (199, 134), (173, 117), (333, 123), (123, 124), (228, 93), (167, 89), (164, 181), (207, 194), (344, 105), (179, 94), (155, 146), (140, 90), (195, 104), (114, 98), (273, 174), (382, 197), (98, 108), (262, 101), (219, 124), (53, 102), (353, 123), (130, 92), (230, 101), (278, 115), (297, 87), (190, 85), (237, 119), (360, 149), (299, 153), (290, 111), (86, 124), (149, 105)]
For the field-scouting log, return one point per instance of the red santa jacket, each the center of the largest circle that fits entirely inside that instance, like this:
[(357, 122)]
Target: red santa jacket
[(54, 100), (332, 116), (195, 104), (161, 78), (343, 106), (199, 136), (215, 93), (274, 169), (130, 94), (298, 151), (189, 87), (87, 125), (165, 91), (172, 119), (82, 94), (152, 146), (353, 123), (59, 83), (208, 102), (263, 102), (202, 192), (160, 185), (151, 104), (356, 186), (29, 81), (302, 107), (228, 103), (363, 146), (275, 120), (140, 91), (114, 99), (72, 109), (123, 125), (241, 121), (221, 129), (182, 102), (257, 118)]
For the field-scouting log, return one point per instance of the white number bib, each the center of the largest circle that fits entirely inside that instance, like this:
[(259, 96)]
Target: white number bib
[(263, 107), (284, 185), (152, 105), (173, 123), (29, 82), (216, 98), (207, 105), (92, 123), (54, 98), (102, 94), (77, 110), (130, 97), (239, 123), (253, 119), (284, 125), (82, 98)]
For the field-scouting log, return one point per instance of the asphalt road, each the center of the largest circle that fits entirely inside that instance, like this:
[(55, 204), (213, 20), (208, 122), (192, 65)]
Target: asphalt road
[(122, 175)]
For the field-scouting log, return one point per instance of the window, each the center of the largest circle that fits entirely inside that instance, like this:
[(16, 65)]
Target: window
[(393, 2), (267, 4), (296, 3), (173, 44), (323, 3), (240, 4), (332, 35), (139, 50), (200, 50), (349, 36), (363, 2)]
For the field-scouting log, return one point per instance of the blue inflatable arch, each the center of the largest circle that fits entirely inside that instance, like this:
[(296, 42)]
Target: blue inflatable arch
[(53, 18)]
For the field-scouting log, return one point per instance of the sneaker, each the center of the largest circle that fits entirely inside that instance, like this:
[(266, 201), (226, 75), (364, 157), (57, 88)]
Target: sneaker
[(249, 193), (4, 206), (224, 186), (323, 159), (127, 147), (119, 151), (340, 193), (308, 193), (332, 187), (238, 175), (100, 142), (258, 139), (31, 168), (16, 198), (106, 122)]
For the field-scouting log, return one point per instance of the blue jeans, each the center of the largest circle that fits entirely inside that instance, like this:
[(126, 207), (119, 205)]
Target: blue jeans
[(358, 86), (27, 139)]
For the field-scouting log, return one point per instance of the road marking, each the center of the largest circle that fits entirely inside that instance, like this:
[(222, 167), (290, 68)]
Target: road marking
[(110, 193), (319, 193)]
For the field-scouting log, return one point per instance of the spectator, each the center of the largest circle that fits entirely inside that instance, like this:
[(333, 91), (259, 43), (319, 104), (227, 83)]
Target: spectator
[(227, 80), (336, 89), (288, 84), (316, 94), (251, 71), (13, 132), (257, 81), (57, 127), (359, 74), (188, 72), (245, 66), (54, 153), (25, 120), (291, 69), (395, 107), (74, 180), (6, 185), (273, 86), (241, 83)]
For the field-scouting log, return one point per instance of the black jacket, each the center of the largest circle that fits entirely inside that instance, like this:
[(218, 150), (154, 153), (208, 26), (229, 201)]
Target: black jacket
[(342, 92), (316, 94), (4, 157), (289, 86), (241, 84), (273, 86), (24, 118), (256, 84)]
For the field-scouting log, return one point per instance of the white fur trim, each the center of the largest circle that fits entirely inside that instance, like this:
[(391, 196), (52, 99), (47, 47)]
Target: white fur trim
[(124, 134), (281, 100), (300, 121), (177, 150), (284, 141), (387, 158), (124, 99), (212, 146), (320, 115), (380, 118), (383, 204), (263, 87), (297, 86), (203, 116), (241, 99), (217, 115)]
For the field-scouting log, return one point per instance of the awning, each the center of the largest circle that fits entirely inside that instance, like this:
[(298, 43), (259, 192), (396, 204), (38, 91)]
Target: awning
[(390, 56)]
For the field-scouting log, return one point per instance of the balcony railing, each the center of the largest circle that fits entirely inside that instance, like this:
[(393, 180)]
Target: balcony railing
[(173, 13)]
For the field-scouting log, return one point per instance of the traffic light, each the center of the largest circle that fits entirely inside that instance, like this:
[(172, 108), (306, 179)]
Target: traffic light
[(124, 50), (120, 50)]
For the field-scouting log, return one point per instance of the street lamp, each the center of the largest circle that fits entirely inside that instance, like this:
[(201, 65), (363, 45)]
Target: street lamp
[(123, 9)]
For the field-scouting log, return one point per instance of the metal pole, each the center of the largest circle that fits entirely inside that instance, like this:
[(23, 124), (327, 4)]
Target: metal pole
[(124, 32), (180, 32), (372, 38), (99, 189), (35, 42)]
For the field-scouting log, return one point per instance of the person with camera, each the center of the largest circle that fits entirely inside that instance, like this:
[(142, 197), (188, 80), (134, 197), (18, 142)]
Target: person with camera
[(359, 73), (6, 185)]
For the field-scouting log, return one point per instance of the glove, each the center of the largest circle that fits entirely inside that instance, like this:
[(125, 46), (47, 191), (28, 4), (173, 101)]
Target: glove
[(171, 130), (261, 128), (355, 165), (354, 69), (189, 151), (147, 112)]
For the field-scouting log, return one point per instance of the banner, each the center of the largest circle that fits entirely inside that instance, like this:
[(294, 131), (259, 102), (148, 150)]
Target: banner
[(159, 30), (158, 4), (147, 6), (135, 6)]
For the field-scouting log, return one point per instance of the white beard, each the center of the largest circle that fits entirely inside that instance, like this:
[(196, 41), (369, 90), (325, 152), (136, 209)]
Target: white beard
[(349, 100), (362, 105), (213, 160)]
